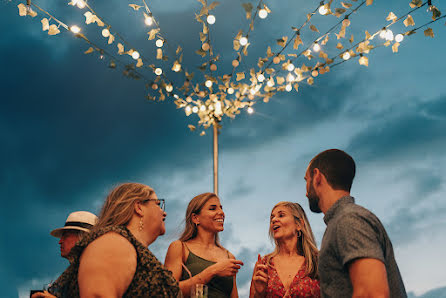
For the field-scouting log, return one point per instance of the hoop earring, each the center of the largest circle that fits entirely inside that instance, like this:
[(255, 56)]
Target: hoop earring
[(141, 224), (299, 234)]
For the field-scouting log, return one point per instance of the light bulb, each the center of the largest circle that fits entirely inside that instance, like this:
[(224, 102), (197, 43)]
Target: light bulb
[(290, 77), (177, 67), (270, 83), (210, 19), (80, 4), (288, 87), (195, 109), (208, 83), (135, 55), (75, 29), (253, 91), (230, 90), (290, 67), (218, 110), (159, 43), (203, 108), (263, 13), (169, 88), (346, 56), (105, 32), (205, 46), (260, 78), (189, 99), (316, 47), (399, 38), (213, 67), (243, 41), (148, 21), (323, 10), (314, 73), (382, 34), (276, 60), (188, 109), (250, 110), (176, 96), (158, 71), (389, 35), (346, 22)]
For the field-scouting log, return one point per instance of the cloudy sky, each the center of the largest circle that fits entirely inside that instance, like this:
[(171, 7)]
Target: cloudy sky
[(72, 129)]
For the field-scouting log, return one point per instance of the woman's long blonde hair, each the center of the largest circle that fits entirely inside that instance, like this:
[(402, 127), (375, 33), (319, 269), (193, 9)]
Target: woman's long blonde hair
[(306, 245), (194, 207), (118, 208)]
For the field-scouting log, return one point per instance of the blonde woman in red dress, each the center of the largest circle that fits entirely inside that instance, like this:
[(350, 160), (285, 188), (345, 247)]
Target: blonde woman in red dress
[(291, 270)]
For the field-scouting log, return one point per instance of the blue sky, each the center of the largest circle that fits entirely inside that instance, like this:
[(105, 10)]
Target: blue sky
[(72, 129)]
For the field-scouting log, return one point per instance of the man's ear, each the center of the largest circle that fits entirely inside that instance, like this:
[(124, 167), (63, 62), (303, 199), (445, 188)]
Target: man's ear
[(317, 176)]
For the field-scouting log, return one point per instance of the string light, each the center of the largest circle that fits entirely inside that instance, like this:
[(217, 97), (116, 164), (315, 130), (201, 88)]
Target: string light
[(250, 110), (75, 29), (290, 77), (210, 19), (208, 83), (205, 46), (263, 13), (188, 109), (382, 34), (148, 21), (230, 90), (235, 63), (159, 43), (195, 109), (158, 71), (290, 67), (169, 88), (189, 99), (260, 78), (217, 107), (346, 56), (135, 55), (270, 83), (243, 41), (316, 47), (323, 10), (389, 35), (105, 32), (399, 37), (314, 73), (288, 87), (213, 67)]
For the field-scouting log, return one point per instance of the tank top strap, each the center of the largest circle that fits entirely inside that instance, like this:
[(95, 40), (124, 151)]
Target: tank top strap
[(183, 260)]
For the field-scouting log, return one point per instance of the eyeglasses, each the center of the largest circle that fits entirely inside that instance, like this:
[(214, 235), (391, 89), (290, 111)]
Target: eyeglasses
[(159, 202)]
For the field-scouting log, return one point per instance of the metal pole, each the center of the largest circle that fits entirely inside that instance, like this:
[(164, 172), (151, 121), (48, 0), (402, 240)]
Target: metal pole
[(216, 158)]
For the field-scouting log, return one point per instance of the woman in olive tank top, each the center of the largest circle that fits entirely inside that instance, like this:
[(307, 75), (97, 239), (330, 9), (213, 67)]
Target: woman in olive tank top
[(198, 257)]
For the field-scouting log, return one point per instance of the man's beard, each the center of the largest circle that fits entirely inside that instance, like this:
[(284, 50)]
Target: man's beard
[(313, 199)]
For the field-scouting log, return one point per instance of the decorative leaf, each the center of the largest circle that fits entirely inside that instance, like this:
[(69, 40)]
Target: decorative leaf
[(213, 5), (346, 5), (248, 8), (179, 49), (45, 24), (297, 42), (22, 10), (31, 12), (268, 52), (53, 30), (139, 63), (369, 2), (409, 21), (310, 81), (282, 41), (339, 12), (313, 28), (339, 46), (367, 35), (111, 39), (429, 32), (435, 12), (159, 54), (202, 133), (240, 76), (90, 50), (395, 47), (152, 33), (201, 53), (364, 61), (416, 3), (391, 17), (135, 7), (112, 64), (191, 127), (120, 49)]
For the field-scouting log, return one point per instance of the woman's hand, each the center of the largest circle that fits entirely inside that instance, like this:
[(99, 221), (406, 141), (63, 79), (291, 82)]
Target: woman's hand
[(260, 278), (228, 267), (44, 294)]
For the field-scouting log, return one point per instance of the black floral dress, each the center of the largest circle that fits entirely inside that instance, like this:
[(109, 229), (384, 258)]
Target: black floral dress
[(151, 279)]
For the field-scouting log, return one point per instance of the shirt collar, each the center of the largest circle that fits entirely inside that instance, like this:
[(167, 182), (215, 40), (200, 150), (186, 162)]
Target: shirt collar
[(337, 206)]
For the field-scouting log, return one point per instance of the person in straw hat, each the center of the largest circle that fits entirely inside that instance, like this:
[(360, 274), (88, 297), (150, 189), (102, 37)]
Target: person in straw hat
[(77, 224)]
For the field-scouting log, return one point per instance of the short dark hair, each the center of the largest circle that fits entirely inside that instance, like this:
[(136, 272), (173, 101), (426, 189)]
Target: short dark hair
[(337, 166)]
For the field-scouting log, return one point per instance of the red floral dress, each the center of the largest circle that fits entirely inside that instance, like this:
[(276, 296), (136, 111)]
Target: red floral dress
[(301, 286)]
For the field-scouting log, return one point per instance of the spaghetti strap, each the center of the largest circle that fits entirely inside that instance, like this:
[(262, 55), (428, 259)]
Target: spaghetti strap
[(184, 244), (182, 258)]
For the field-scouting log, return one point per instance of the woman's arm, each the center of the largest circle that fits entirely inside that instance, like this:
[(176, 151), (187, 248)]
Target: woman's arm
[(234, 293), (107, 267)]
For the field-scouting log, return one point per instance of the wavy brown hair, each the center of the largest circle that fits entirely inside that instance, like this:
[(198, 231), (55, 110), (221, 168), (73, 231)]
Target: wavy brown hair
[(118, 207), (306, 245), (194, 207)]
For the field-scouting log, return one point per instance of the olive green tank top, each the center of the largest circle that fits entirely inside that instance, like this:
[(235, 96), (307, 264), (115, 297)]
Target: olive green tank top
[(218, 287)]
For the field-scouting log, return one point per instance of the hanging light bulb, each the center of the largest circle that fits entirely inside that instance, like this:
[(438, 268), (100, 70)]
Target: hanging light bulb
[(159, 43), (158, 71), (208, 83), (323, 10), (382, 34), (75, 29), (169, 88), (316, 47), (290, 77), (250, 110), (263, 13), (346, 56), (235, 63), (213, 67), (270, 82), (105, 32), (399, 37), (80, 4), (253, 91), (148, 21), (188, 109), (205, 46), (195, 109), (389, 35), (176, 96), (218, 110), (243, 41), (288, 87), (135, 55), (210, 19), (260, 78), (203, 108), (230, 90), (314, 73), (290, 67)]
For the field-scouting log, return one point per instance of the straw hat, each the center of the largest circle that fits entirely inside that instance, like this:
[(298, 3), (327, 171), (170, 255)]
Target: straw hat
[(79, 220)]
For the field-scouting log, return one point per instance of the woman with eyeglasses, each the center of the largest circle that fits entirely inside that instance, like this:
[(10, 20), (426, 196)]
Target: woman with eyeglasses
[(291, 269), (198, 257), (113, 260)]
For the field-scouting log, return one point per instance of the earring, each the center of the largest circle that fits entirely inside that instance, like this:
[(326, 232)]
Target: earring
[(141, 224), (299, 233)]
